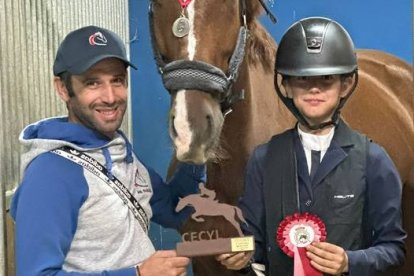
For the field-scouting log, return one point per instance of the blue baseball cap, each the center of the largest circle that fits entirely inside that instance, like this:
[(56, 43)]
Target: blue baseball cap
[(84, 47)]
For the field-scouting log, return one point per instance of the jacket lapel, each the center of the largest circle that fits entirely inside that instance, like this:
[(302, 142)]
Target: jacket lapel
[(336, 153)]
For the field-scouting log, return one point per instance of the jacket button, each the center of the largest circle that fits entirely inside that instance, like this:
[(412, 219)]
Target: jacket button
[(308, 202)]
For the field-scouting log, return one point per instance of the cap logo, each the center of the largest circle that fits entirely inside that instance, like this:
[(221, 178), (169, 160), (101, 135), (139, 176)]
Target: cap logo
[(97, 39)]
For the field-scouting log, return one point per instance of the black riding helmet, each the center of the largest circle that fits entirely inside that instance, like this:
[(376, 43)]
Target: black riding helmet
[(315, 46)]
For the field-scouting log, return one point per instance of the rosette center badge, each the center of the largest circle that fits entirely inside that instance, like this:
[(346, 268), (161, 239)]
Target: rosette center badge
[(301, 235)]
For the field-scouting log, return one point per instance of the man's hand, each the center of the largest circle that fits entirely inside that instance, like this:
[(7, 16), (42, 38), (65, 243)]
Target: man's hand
[(327, 258), (235, 261), (165, 263)]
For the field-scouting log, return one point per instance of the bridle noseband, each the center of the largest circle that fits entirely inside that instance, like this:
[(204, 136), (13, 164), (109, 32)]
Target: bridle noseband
[(199, 75)]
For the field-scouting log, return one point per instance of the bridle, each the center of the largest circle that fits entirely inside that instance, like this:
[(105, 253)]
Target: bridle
[(199, 75)]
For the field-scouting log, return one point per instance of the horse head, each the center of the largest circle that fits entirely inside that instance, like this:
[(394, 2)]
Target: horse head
[(98, 39), (183, 202), (200, 66)]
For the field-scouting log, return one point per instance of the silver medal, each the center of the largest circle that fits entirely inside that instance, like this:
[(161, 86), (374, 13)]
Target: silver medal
[(181, 27)]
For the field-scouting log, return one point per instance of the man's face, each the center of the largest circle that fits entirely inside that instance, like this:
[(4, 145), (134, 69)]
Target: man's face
[(317, 97), (100, 97)]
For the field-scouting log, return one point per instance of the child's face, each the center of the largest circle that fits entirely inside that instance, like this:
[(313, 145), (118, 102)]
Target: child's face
[(317, 97)]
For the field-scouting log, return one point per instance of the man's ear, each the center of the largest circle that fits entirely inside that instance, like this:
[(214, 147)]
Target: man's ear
[(61, 89), (346, 86)]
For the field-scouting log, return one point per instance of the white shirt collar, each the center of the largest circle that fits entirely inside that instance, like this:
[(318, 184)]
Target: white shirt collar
[(316, 142)]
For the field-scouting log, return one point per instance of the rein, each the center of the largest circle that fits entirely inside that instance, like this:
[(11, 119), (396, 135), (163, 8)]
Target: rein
[(199, 75)]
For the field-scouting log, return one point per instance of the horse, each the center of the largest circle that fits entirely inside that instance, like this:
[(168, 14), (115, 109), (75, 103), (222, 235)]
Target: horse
[(208, 125)]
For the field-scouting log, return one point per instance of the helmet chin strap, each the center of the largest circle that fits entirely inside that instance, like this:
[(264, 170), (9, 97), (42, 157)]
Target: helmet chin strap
[(302, 120), (319, 126)]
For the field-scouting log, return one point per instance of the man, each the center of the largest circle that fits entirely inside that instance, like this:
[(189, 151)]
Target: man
[(85, 200), (322, 166)]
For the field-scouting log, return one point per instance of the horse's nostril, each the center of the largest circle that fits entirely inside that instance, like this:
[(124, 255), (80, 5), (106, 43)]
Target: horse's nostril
[(172, 127), (209, 119), (173, 131)]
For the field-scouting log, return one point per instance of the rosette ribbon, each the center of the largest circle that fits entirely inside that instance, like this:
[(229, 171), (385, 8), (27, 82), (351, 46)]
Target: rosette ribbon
[(296, 232)]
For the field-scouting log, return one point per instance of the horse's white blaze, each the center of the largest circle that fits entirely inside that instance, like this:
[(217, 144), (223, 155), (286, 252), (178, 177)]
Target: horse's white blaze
[(181, 124), (192, 42)]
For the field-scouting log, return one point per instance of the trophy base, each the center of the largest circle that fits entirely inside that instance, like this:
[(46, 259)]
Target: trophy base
[(215, 247)]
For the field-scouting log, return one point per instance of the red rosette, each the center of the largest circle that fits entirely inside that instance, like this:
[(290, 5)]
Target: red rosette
[(299, 230)]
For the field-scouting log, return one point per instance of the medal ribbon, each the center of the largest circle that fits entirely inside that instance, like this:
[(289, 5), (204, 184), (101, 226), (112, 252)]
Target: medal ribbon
[(184, 3), (302, 266)]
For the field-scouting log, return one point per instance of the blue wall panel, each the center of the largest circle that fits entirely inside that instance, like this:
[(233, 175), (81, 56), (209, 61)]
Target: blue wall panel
[(150, 102), (377, 24)]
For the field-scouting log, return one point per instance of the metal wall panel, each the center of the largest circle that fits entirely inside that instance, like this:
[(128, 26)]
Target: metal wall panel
[(30, 31)]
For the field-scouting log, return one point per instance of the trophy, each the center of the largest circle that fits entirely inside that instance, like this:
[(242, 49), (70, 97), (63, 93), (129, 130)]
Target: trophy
[(209, 242)]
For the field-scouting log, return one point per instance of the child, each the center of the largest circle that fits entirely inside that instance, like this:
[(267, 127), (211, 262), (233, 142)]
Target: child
[(322, 166)]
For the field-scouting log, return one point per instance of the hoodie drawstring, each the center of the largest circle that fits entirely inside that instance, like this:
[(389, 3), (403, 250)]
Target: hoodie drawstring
[(108, 161), (128, 158)]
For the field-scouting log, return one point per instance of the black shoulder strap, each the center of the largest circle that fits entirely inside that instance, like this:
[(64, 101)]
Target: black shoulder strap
[(280, 196), (365, 227), (90, 164)]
